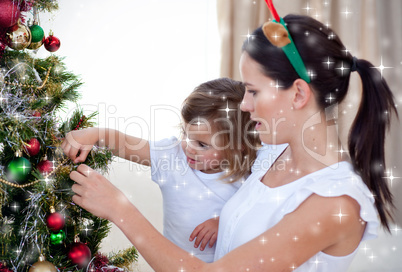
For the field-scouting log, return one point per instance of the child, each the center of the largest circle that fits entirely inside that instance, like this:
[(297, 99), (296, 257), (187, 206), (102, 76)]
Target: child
[(196, 176)]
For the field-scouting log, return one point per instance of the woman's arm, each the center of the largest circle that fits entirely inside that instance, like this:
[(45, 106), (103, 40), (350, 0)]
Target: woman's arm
[(98, 196), (78, 144), (331, 225)]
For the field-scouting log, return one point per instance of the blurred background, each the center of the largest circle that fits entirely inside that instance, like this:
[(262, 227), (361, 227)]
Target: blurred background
[(139, 59)]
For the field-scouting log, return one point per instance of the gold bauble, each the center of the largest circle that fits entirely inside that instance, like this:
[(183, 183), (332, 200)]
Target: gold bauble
[(36, 45), (18, 36), (42, 266)]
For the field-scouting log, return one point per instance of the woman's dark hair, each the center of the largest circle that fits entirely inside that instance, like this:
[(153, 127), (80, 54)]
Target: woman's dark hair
[(329, 65), (218, 101)]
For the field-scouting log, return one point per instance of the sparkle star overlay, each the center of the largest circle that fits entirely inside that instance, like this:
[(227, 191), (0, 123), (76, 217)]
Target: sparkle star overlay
[(227, 109), (340, 215), (382, 67), (390, 177)]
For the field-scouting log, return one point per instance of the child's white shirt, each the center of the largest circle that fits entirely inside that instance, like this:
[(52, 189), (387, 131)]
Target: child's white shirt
[(190, 197)]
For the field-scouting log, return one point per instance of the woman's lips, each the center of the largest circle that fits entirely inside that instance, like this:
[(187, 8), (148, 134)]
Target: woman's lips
[(258, 125)]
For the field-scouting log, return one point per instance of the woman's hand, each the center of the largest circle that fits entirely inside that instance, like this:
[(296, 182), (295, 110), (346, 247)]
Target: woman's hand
[(96, 194), (79, 143)]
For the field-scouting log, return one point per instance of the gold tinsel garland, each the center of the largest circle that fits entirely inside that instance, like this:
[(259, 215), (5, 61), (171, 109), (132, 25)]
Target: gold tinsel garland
[(30, 86)]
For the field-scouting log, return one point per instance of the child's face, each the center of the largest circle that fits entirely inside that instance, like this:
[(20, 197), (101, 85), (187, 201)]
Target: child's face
[(203, 148)]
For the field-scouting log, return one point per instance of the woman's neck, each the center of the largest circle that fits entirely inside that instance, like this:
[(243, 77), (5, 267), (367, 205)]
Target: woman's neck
[(315, 146)]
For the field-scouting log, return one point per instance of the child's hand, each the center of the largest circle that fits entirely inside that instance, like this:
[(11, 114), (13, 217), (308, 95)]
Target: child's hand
[(79, 143), (205, 232)]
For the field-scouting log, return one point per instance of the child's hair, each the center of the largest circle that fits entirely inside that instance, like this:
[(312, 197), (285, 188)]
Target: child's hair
[(218, 101), (330, 65)]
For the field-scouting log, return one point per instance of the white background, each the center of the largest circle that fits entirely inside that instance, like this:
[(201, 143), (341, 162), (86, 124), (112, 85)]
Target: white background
[(136, 56)]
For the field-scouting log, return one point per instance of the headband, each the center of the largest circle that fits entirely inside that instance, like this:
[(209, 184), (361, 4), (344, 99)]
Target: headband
[(278, 34)]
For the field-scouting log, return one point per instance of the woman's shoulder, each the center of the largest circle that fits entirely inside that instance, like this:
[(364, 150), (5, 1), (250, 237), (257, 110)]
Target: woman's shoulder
[(339, 185), (338, 179)]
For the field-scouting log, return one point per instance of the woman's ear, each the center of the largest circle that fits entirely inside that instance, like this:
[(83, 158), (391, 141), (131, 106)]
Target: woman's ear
[(302, 93)]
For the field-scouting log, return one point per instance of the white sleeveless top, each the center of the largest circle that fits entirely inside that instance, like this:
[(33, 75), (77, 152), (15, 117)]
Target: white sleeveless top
[(256, 207)]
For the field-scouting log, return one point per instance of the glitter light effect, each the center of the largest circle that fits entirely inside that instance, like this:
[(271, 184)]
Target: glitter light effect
[(227, 109), (371, 253), (340, 215), (346, 13), (382, 67), (390, 176), (248, 36)]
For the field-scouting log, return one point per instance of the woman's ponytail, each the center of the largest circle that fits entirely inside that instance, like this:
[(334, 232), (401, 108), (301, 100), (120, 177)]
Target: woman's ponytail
[(367, 136)]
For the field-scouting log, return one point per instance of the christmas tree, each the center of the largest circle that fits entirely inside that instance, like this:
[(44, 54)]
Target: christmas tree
[(40, 227)]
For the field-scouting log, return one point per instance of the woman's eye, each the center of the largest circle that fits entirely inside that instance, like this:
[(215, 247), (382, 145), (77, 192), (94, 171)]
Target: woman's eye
[(252, 92)]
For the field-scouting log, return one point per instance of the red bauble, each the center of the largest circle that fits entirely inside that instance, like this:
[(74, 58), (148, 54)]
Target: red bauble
[(79, 254), (9, 13), (36, 114), (52, 44), (32, 147), (100, 261), (3, 266), (55, 221), (45, 167)]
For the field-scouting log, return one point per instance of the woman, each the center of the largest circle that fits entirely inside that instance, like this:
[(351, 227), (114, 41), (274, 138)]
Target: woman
[(308, 209)]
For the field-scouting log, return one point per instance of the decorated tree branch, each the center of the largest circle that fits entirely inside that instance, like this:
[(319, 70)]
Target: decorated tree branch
[(40, 227)]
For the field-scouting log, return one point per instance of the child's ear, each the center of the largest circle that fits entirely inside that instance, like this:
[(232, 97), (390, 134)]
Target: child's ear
[(302, 94)]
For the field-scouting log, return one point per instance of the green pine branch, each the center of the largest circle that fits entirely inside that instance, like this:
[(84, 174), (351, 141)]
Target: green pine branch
[(46, 5)]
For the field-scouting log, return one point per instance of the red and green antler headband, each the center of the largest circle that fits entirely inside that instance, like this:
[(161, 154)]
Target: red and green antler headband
[(278, 34)]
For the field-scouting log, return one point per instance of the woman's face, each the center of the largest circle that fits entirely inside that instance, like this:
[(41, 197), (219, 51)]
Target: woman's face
[(268, 105)]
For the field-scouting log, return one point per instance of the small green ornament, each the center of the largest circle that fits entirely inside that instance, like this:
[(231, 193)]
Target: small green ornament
[(57, 238), (37, 33), (18, 169)]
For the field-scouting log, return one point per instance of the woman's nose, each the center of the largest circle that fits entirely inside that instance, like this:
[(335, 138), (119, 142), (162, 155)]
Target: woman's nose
[(246, 104)]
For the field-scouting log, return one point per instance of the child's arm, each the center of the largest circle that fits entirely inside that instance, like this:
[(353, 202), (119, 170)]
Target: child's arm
[(78, 144), (205, 232)]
